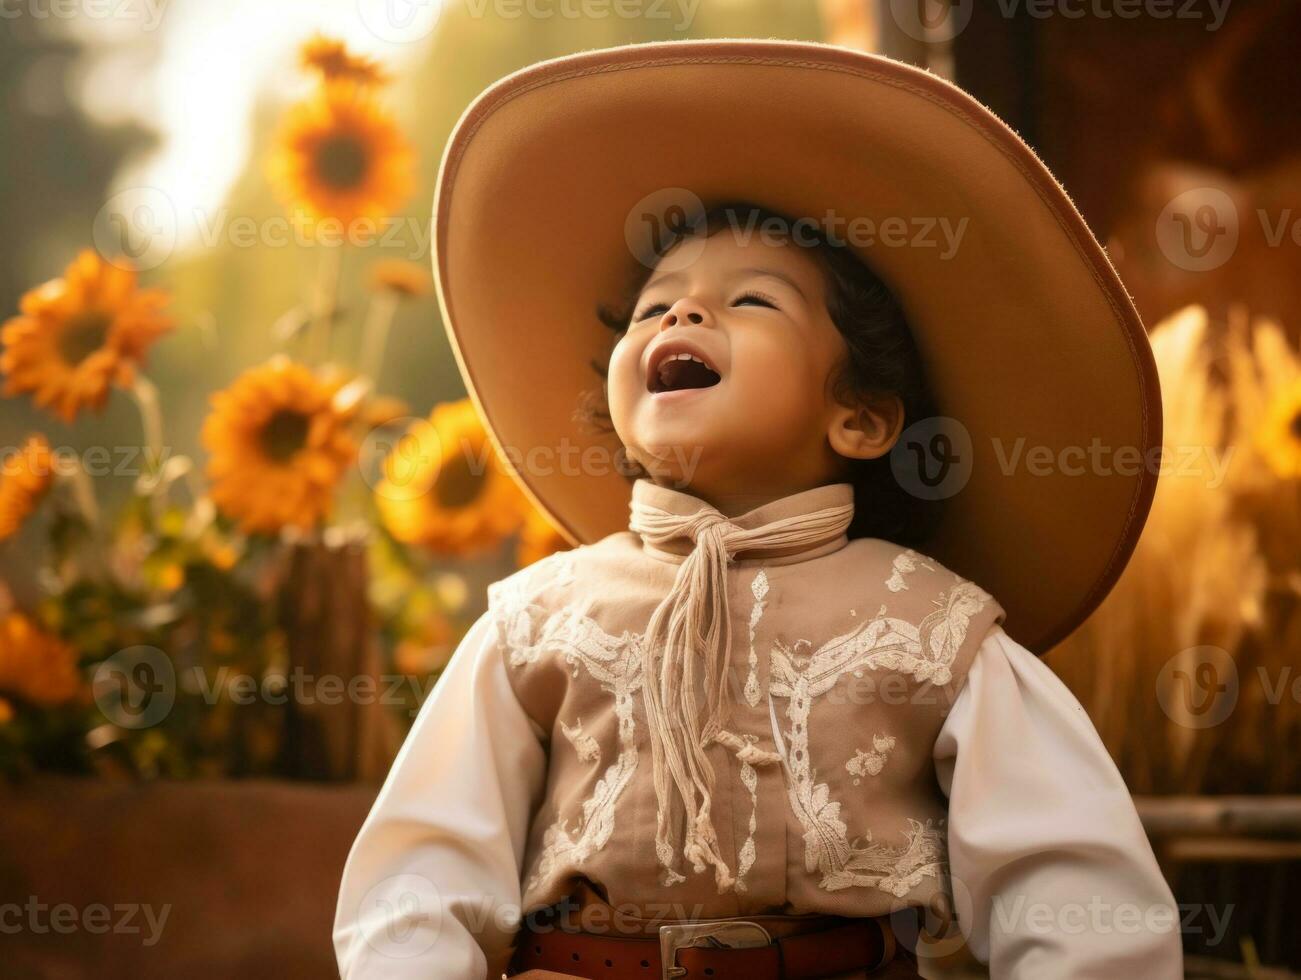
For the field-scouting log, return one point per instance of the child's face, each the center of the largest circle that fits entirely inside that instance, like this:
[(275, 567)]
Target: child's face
[(757, 418)]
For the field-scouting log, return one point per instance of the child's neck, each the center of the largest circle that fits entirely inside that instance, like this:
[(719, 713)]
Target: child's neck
[(733, 503)]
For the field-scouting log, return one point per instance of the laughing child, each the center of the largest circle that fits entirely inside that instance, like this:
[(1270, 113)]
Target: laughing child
[(783, 703)]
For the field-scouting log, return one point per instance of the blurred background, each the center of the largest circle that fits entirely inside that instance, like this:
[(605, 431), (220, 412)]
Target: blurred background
[(216, 259)]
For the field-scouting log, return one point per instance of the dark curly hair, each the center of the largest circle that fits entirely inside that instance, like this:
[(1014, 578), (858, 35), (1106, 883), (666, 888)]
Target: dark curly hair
[(881, 359)]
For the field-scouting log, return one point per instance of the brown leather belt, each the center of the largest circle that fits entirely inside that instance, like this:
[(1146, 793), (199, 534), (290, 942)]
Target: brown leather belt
[(719, 948)]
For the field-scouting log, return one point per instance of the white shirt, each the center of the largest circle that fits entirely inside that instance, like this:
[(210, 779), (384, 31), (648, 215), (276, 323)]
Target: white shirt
[(1052, 873)]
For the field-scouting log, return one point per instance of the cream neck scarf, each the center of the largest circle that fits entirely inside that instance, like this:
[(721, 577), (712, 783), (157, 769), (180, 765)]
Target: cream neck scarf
[(691, 628)]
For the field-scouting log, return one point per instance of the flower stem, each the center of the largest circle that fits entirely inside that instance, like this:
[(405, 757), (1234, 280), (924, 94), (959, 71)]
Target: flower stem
[(325, 301), (83, 497), (150, 483), (374, 335), (145, 393)]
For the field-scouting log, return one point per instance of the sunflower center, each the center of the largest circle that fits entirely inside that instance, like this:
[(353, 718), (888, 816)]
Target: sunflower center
[(83, 334), (459, 483), (284, 434), (341, 162), (1295, 425)]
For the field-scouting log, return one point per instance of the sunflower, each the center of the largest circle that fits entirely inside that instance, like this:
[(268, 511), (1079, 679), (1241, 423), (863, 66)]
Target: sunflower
[(25, 477), (400, 277), (279, 446), (340, 156), (77, 335), (334, 61), (1280, 437), (444, 487), (538, 538), (35, 665)]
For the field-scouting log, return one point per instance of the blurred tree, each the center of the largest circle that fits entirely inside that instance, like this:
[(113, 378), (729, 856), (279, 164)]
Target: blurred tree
[(55, 170), (57, 163)]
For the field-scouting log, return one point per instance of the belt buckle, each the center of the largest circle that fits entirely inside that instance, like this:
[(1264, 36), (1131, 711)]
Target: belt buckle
[(723, 934)]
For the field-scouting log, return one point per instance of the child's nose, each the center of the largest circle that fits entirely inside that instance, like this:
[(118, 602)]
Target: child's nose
[(685, 311)]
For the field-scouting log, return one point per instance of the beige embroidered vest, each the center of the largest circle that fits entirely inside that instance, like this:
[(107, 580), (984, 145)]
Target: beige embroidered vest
[(844, 659)]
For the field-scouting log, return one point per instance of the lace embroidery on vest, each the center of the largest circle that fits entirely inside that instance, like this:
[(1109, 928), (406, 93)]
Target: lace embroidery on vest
[(759, 589), (927, 653), (924, 651), (896, 870), (615, 663), (584, 744), (905, 562), (750, 778), (870, 763)]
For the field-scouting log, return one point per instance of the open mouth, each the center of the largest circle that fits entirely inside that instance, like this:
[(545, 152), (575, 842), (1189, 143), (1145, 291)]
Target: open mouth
[(680, 371)]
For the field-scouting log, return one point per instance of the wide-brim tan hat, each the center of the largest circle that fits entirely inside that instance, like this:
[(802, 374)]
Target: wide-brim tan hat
[(556, 175)]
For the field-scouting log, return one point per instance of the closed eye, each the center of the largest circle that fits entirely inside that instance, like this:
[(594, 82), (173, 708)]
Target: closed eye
[(655, 309), (755, 299), (745, 299)]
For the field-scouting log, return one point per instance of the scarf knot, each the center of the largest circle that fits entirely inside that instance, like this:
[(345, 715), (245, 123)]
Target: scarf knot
[(688, 630)]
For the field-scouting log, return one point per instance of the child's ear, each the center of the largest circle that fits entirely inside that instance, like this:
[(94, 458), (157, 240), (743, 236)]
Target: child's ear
[(868, 430)]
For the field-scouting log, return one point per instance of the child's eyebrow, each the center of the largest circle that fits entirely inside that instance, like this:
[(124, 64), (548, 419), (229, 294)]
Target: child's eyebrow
[(774, 273), (749, 271), (665, 280)]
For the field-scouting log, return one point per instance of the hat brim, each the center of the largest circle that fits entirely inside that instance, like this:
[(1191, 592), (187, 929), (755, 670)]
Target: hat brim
[(1029, 339)]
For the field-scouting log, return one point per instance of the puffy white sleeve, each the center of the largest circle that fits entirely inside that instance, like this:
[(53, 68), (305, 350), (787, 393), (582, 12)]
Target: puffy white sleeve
[(1053, 875), (431, 887)]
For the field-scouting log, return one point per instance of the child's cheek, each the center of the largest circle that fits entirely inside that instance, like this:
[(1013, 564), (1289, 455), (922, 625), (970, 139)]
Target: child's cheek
[(623, 379), (776, 384), (764, 360)]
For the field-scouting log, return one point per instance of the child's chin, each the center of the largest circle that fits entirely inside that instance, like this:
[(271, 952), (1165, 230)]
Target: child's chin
[(671, 460)]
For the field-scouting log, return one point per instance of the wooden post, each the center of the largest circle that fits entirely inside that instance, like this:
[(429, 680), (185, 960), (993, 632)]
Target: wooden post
[(337, 726)]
